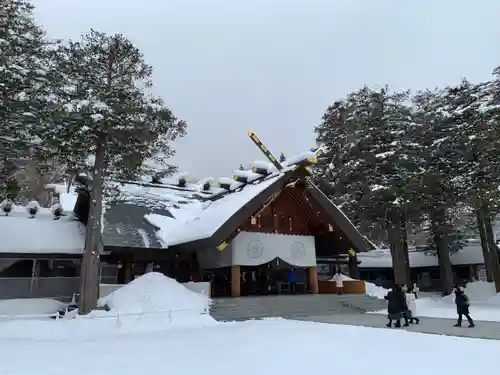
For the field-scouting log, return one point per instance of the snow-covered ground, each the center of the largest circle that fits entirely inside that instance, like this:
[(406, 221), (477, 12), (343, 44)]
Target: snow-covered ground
[(485, 302), (252, 347), (156, 325)]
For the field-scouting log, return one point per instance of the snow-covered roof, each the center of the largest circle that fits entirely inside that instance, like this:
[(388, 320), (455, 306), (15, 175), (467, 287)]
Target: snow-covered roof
[(39, 235), (201, 220), (196, 213), (381, 258)]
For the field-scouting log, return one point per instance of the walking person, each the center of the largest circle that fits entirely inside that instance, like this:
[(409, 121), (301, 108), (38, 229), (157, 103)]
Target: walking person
[(396, 306), (462, 301), (339, 282), (292, 281), (415, 289), (412, 307), (404, 290)]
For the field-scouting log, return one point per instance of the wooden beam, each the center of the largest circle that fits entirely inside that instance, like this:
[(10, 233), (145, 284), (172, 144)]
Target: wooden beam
[(313, 280), (293, 196)]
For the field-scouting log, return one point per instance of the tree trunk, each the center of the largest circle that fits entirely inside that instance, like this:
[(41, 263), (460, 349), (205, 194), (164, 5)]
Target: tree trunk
[(495, 267), (399, 258), (85, 304), (404, 240), (484, 244), (89, 290), (443, 254)]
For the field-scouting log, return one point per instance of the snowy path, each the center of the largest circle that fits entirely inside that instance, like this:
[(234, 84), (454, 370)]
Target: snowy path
[(439, 326), (347, 309), (290, 306)]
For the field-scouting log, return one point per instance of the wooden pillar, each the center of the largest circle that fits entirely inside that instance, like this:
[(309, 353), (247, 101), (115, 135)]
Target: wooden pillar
[(235, 281), (313, 280), (127, 264)]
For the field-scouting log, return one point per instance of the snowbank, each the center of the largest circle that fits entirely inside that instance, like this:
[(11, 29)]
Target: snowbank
[(480, 291), (373, 290), (29, 307), (152, 302), (155, 293)]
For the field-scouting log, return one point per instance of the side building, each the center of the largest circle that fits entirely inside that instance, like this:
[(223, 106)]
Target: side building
[(40, 252), (467, 264)]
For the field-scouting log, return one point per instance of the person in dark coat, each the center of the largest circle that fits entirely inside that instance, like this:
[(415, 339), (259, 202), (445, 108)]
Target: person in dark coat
[(462, 302), (396, 299), (292, 280)]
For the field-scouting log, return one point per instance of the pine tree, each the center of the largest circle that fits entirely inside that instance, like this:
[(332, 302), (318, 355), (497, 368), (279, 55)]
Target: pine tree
[(368, 162), (108, 114), (336, 134), (282, 158), (27, 81), (437, 192), (473, 107)]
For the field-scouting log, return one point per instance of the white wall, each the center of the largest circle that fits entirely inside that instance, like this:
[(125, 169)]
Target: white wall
[(251, 249)]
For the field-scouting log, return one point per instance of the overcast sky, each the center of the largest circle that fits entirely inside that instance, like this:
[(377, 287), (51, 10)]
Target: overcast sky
[(274, 65)]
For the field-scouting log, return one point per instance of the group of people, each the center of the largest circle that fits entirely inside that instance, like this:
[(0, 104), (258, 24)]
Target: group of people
[(402, 305)]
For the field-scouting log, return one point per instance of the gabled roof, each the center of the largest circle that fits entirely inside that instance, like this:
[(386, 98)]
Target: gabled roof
[(189, 220), (146, 215), (214, 221)]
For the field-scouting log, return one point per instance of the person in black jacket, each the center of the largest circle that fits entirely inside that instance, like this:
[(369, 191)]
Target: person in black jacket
[(396, 299), (462, 302)]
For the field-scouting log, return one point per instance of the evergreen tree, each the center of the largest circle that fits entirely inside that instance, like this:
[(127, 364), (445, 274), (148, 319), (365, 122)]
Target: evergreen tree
[(27, 81), (473, 108), (282, 158), (437, 193), (109, 115), (368, 161)]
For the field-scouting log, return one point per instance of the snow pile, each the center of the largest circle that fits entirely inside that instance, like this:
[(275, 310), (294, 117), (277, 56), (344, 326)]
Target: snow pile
[(152, 302), (29, 307), (480, 291), (154, 293), (376, 291)]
